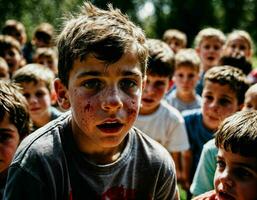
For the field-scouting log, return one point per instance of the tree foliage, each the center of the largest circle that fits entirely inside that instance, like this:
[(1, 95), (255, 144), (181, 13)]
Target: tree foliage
[(189, 16)]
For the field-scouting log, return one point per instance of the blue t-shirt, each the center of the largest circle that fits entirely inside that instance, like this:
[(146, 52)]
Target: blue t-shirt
[(198, 135)]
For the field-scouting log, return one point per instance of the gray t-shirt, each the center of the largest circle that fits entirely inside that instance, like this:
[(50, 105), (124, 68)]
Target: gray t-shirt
[(48, 165)]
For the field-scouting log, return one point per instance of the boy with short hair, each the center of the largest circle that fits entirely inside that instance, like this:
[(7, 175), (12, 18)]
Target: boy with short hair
[(14, 125), (156, 117), (47, 57), (236, 172), (186, 75), (10, 50), (43, 35), (250, 102), (176, 39), (94, 152), (209, 45), (223, 95), (37, 86)]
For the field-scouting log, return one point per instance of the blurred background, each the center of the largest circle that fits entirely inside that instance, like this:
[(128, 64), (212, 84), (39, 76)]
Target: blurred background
[(154, 16)]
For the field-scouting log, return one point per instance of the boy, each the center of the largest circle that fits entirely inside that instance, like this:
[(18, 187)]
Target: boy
[(43, 35), (10, 50), (186, 75), (250, 102), (175, 39), (37, 86), (93, 152), (14, 125), (236, 172), (48, 58), (223, 94), (209, 45), (156, 117)]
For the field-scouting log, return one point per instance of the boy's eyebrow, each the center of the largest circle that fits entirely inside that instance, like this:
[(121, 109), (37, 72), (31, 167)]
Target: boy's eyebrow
[(97, 73), (5, 130)]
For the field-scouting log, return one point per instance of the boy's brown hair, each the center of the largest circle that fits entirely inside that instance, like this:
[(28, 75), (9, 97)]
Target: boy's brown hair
[(45, 32), (8, 42), (175, 34), (238, 133), (107, 38), (13, 103), (187, 57), (35, 73), (231, 76), (45, 51), (161, 58), (15, 29), (209, 33)]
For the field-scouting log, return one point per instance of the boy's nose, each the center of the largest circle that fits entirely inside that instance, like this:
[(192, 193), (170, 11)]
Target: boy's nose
[(112, 100), (225, 179)]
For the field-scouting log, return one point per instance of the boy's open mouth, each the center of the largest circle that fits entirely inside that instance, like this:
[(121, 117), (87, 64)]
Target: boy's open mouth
[(147, 100), (210, 58), (223, 195), (110, 127)]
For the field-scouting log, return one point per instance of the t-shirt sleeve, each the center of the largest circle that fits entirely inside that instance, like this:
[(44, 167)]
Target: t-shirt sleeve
[(22, 185), (204, 175)]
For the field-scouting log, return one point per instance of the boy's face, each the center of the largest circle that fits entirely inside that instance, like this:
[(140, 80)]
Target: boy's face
[(250, 102), (185, 78), (49, 62), (218, 102), (238, 47), (175, 44), (13, 58), (235, 176), (104, 101), (38, 98), (9, 141), (155, 88), (209, 51), (4, 72)]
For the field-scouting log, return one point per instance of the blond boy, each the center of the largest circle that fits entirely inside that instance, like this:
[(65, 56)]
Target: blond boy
[(176, 39), (186, 75)]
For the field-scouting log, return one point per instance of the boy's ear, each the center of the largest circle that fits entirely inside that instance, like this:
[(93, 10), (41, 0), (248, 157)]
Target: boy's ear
[(61, 94), (240, 106)]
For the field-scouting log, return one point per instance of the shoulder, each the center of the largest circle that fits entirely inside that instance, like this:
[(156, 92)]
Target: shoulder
[(191, 115), (153, 151), (170, 111), (43, 144)]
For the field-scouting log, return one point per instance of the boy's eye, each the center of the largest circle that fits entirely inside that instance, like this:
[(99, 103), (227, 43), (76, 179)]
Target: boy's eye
[(93, 84), (4, 137), (221, 164), (216, 47), (207, 47), (40, 94), (128, 84), (191, 76), (159, 84), (242, 173), (242, 47), (208, 97), (224, 102), (26, 95)]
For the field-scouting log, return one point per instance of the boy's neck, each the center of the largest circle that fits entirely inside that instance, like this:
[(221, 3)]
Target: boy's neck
[(44, 119), (186, 97)]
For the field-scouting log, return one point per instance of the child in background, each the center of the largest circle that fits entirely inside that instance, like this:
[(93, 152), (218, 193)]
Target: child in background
[(239, 44), (48, 58), (14, 125), (156, 117), (43, 36), (10, 50), (250, 102), (236, 172), (209, 45), (4, 70), (37, 86), (223, 95), (15, 29), (186, 75), (94, 152), (175, 39)]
